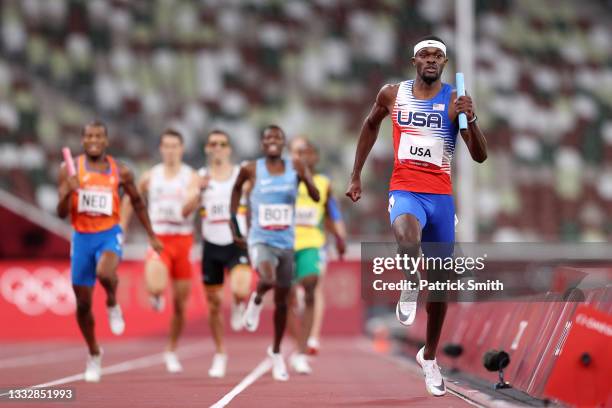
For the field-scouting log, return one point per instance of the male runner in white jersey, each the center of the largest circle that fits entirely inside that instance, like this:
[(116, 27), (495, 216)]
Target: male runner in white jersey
[(166, 186), (425, 113), (212, 192)]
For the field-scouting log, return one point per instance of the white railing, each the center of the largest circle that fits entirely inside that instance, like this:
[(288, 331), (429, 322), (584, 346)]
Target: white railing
[(34, 214)]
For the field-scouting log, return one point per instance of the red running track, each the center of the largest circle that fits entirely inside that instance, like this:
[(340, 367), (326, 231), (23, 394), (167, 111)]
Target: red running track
[(346, 373)]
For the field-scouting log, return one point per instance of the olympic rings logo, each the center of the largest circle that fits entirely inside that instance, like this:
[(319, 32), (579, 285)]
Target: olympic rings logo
[(44, 289)]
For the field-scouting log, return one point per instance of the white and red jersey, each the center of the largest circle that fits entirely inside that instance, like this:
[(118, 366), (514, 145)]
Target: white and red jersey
[(423, 140), (215, 209), (166, 199)]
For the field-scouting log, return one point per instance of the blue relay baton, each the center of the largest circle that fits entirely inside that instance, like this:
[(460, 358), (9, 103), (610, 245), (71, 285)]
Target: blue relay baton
[(461, 92)]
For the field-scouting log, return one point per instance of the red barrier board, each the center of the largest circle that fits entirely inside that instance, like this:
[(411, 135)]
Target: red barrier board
[(582, 372), (36, 301), (532, 331)]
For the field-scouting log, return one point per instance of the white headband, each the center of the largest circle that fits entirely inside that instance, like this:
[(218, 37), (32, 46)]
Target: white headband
[(429, 43)]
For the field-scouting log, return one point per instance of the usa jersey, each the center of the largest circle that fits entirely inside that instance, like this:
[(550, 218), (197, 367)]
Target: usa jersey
[(423, 140)]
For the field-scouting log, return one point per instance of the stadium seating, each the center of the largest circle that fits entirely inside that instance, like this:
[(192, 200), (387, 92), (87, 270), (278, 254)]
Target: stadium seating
[(543, 91)]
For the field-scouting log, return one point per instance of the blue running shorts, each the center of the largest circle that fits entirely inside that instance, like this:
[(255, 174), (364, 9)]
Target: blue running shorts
[(435, 212), (86, 250)]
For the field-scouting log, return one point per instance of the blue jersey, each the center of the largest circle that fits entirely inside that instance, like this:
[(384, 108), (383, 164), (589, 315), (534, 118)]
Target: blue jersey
[(272, 205)]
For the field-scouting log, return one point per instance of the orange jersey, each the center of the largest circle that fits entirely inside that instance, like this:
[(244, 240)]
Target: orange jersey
[(95, 205)]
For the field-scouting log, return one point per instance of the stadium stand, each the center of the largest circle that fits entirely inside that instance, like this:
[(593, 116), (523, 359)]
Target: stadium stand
[(543, 91)]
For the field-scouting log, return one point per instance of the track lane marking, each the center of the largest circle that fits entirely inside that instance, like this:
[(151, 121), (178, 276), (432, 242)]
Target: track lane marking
[(60, 354), (253, 376), (150, 360), (46, 357)]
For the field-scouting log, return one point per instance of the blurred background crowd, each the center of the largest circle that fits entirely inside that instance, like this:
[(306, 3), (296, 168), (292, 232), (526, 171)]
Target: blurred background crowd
[(543, 92)]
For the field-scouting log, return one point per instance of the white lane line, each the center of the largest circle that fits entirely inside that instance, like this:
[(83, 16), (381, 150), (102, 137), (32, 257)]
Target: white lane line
[(260, 370), (188, 351), (42, 358), (61, 354)]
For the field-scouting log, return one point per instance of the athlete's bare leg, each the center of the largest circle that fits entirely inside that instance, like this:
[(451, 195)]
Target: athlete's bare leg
[(266, 282), (156, 276), (85, 317), (436, 311), (267, 275), (106, 271), (407, 230), (180, 290), (319, 309), (309, 284), (281, 298), (293, 319), (240, 282), (214, 297)]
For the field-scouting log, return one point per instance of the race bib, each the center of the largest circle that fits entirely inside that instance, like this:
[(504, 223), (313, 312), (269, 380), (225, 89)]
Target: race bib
[(308, 217), (428, 149), (95, 202), (275, 216), (167, 211), (217, 211)]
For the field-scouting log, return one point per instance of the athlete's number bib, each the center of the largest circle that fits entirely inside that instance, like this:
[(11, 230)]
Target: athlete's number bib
[(308, 217), (428, 149), (275, 216), (95, 202), (217, 211), (166, 211)]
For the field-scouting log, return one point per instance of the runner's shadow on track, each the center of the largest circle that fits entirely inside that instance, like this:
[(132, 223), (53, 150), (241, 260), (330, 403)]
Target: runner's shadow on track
[(384, 402)]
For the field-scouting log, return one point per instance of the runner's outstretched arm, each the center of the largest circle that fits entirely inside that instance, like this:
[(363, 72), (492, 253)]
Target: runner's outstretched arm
[(305, 175), (67, 184), (334, 223), (246, 174), (472, 136), (368, 136), (194, 191), (138, 204), (126, 205)]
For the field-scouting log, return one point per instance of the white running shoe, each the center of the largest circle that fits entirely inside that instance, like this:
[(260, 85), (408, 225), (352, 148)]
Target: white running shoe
[(313, 345), (173, 365), (433, 377), (93, 369), (158, 303), (279, 370), (218, 366), (236, 321), (299, 363), (406, 307), (115, 319), (251, 314)]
